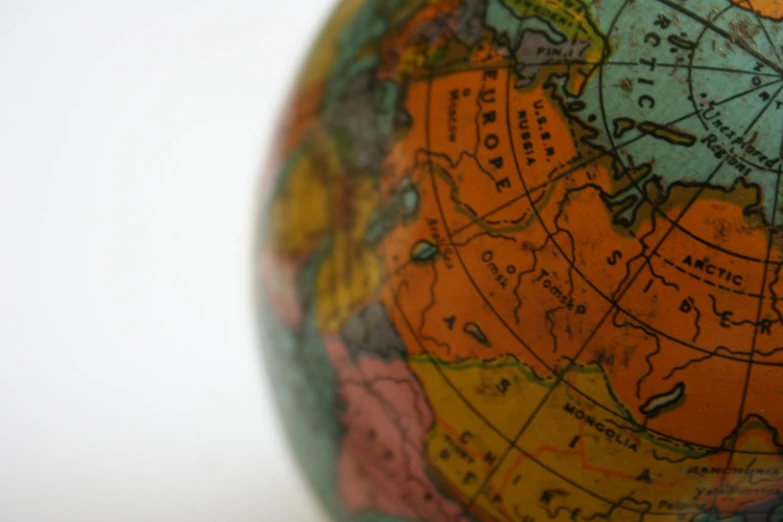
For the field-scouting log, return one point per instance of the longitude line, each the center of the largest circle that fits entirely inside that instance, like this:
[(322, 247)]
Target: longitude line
[(761, 113), (558, 63), (611, 151), (762, 293), (560, 375), (608, 152), (609, 312)]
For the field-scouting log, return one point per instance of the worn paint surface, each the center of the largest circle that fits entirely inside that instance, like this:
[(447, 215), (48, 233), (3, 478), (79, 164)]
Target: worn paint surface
[(520, 260)]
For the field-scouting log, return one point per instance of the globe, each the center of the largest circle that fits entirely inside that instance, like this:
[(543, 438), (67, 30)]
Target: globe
[(520, 260)]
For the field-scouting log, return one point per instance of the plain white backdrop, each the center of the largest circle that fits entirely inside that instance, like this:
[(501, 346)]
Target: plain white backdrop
[(131, 138)]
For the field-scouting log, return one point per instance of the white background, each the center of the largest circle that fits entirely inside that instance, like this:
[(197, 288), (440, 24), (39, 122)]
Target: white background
[(131, 137)]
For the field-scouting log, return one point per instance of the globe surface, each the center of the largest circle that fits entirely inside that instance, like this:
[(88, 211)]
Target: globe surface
[(520, 260)]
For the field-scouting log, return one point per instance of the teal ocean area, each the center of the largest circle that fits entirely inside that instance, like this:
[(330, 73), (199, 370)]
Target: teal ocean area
[(305, 388), (695, 115)]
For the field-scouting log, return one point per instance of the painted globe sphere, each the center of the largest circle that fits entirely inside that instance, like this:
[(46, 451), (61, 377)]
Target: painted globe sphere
[(520, 260)]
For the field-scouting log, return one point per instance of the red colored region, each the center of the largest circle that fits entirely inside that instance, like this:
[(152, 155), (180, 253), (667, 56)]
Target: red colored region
[(386, 418)]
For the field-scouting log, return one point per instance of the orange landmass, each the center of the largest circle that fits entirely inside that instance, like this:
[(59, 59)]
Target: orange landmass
[(767, 8), (689, 317), (530, 264)]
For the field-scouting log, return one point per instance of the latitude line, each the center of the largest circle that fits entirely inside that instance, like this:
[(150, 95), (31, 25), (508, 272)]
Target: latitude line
[(437, 364), (607, 410), (648, 261), (555, 472), (558, 63), (708, 449), (614, 302), (469, 225), (584, 163), (778, 91), (683, 65), (679, 65), (653, 329), (608, 152), (686, 344), (559, 376), (478, 413), (762, 291), (757, 326), (756, 329), (635, 183), (725, 34), (646, 198), (738, 255), (690, 67)]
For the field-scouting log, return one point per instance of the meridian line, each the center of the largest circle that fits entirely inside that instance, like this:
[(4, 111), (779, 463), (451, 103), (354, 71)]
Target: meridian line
[(556, 63), (756, 329), (581, 164), (664, 65), (697, 67), (761, 113), (559, 377), (514, 445), (438, 368), (612, 151), (754, 341)]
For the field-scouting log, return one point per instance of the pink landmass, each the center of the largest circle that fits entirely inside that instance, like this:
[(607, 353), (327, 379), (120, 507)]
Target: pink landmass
[(278, 279), (386, 418)]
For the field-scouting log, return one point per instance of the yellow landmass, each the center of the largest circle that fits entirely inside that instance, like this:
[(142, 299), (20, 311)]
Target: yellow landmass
[(318, 208), (506, 390), (350, 274), (500, 307), (577, 460), (461, 447), (301, 216), (320, 61)]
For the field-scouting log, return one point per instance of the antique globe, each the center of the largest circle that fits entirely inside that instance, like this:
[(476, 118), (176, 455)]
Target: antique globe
[(520, 260)]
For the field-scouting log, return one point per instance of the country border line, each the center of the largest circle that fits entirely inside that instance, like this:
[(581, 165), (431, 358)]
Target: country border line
[(586, 162), (648, 259), (608, 298), (635, 183), (438, 365), (754, 341), (527, 193), (559, 375), (612, 309)]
